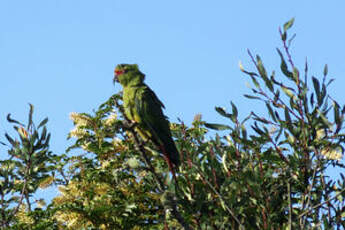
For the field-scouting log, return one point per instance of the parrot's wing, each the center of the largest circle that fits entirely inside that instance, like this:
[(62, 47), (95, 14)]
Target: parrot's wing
[(149, 108)]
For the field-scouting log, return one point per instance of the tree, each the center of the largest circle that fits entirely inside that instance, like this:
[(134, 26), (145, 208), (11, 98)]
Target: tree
[(263, 172), (29, 165)]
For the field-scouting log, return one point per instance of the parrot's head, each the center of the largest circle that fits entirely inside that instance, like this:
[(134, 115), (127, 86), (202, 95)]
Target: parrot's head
[(128, 75)]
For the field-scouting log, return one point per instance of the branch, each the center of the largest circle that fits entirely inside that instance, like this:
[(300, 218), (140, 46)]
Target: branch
[(22, 193), (326, 201), (286, 47), (309, 193), (290, 205), (161, 187)]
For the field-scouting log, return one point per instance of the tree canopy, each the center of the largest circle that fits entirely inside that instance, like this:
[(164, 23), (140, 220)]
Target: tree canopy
[(266, 171)]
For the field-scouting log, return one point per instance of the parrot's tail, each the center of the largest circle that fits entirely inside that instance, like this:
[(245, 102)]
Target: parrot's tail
[(170, 161), (173, 153)]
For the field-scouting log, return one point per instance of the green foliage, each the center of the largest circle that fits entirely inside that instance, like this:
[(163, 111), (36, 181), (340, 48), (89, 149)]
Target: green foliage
[(28, 166), (266, 171)]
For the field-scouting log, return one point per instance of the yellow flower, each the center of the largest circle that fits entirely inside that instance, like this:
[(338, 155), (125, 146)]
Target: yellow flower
[(332, 154), (46, 182), (133, 162), (23, 133), (22, 215), (101, 189), (77, 132), (229, 140), (86, 146), (69, 219), (105, 164), (174, 126), (79, 119), (111, 119), (18, 182), (320, 134), (72, 220)]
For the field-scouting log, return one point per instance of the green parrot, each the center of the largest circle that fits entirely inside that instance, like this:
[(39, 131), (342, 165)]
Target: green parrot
[(143, 107)]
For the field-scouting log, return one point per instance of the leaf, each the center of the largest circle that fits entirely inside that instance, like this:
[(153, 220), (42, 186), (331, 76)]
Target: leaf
[(47, 140), (288, 24), (323, 94), (30, 115), (9, 119), (217, 126), (279, 134), (251, 97), (277, 115), (222, 112), (295, 74), (234, 110), (305, 102), (276, 96), (43, 134), (43, 123), (312, 99), (316, 86), (244, 131), (288, 92), (336, 112), (330, 82), (283, 36), (319, 94), (287, 115), (324, 119), (256, 128), (247, 118), (261, 119), (3, 143), (224, 163), (325, 70), (263, 73), (283, 66), (256, 83), (10, 139), (291, 39), (270, 111)]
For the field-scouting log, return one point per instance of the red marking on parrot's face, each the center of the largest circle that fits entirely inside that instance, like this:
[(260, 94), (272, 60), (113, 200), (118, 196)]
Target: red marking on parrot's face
[(119, 72)]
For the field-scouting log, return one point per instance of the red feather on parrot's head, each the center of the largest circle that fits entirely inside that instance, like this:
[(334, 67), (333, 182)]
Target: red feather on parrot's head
[(118, 72)]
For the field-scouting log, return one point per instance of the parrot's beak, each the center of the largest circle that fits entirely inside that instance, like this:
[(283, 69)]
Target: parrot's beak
[(115, 79)]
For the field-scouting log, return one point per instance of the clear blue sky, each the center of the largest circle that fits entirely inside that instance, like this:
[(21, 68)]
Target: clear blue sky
[(59, 55)]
